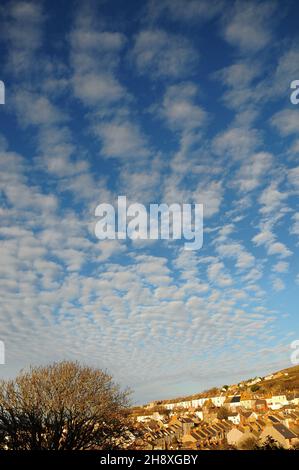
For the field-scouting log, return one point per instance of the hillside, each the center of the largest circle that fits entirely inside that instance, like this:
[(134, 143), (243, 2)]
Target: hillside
[(284, 381)]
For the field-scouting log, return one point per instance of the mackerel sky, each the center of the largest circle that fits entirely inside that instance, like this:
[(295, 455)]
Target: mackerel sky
[(161, 101)]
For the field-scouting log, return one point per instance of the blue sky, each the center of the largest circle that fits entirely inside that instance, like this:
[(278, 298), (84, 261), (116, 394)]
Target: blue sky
[(161, 101)]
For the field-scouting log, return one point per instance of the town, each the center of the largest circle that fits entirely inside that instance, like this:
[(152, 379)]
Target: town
[(259, 413)]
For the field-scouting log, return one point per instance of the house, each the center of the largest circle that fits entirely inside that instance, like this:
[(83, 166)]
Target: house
[(235, 401), (224, 427), (293, 398), (260, 405), (289, 419), (277, 401), (199, 414), (210, 412), (248, 403), (248, 416), (234, 418), (187, 425), (143, 418), (254, 381), (217, 431), (235, 436), (273, 419), (238, 435), (198, 402), (152, 404), (150, 416), (278, 374), (213, 434), (218, 401), (269, 377), (184, 404), (170, 406), (159, 440), (175, 421), (191, 438), (281, 434), (175, 430)]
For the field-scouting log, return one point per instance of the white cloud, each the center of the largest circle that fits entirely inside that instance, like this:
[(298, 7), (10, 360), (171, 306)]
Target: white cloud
[(22, 28), (235, 250), (248, 25), (217, 274), (278, 284), (242, 93), (210, 194), (281, 267), (278, 248), (263, 238), (94, 88), (180, 109), (121, 139), (287, 66), (237, 143), (295, 228), (180, 10), (161, 54), (34, 109), (251, 172), (271, 198), (286, 121), (95, 55), (293, 176)]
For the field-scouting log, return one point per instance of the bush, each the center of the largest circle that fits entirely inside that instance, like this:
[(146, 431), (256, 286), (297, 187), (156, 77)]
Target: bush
[(223, 413), (249, 444), (270, 444)]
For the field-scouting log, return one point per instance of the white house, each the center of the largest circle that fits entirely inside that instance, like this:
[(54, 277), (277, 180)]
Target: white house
[(198, 402), (247, 403), (277, 401), (295, 401), (170, 406), (146, 417), (234, 418), (235, 401), (269, 377), (199, 414), (184, 404), (218, 401), (254, 381), (178, 404)]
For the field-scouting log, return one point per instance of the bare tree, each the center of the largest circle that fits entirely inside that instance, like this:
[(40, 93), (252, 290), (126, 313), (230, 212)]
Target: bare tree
[(63, 406)]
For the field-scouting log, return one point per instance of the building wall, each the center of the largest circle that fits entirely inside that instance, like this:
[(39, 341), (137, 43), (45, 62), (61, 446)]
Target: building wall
[(234, 419), (218, 401), (269, 431), (234, 436)]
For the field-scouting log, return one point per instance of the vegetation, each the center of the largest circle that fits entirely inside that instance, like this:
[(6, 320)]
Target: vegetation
[(62, 406), (269, 444), (249, 444), (223, 413)]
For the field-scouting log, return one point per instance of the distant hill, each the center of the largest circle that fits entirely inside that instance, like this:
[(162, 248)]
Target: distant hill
[(285, 381)]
